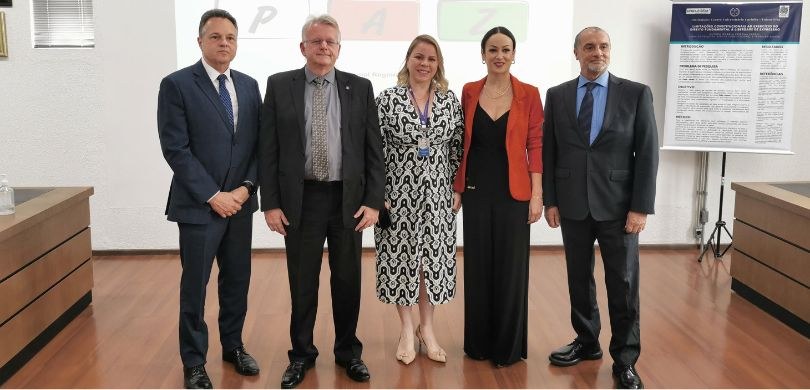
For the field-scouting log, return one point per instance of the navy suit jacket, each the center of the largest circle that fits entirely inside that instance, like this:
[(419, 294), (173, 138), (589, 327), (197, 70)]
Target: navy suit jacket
[(616, 173), (199, 143), (282, 153)]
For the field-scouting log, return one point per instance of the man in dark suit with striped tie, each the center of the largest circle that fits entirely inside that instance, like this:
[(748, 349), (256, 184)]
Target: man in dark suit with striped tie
[(208, 122), (600, 155)]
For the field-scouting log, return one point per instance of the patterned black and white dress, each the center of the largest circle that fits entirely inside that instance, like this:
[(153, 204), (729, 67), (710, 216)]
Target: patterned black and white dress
[(420, 190)]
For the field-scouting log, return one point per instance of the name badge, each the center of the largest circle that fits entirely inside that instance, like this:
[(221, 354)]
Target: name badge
[(423, 147)]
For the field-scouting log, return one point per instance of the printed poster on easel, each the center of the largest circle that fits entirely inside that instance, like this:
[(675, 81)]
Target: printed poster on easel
[(732, 76)]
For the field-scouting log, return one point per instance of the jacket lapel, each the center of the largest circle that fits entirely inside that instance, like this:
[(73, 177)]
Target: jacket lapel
[(241, 96), (297, 86), (516, 111), (570, 100), (615, 91), (207, 87), (471, 102), (345, 97)]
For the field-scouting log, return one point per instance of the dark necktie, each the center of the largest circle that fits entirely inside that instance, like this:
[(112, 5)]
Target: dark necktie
[(586, 112), (225, 97), (320, 150)]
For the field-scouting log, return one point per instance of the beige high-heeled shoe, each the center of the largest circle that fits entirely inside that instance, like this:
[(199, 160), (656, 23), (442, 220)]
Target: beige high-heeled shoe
[(405, 357), (437, 355)]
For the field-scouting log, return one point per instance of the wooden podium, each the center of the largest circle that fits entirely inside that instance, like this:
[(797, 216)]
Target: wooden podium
[(46, 273), (771, 259)]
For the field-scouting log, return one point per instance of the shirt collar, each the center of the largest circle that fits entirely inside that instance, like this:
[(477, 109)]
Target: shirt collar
[(330, 77), (601, 80), (213, 73)]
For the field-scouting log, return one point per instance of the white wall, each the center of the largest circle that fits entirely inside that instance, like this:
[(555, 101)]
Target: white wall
[(639, 32), (86, 117)]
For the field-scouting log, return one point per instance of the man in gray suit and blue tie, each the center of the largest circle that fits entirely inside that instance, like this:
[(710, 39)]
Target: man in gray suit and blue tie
[(600, 154), (208, 122)]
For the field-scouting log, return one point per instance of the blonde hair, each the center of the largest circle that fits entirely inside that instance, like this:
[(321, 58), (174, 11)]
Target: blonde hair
[(438, 79)]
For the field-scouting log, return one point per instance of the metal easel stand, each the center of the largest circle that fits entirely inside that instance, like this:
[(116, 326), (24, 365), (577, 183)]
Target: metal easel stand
[(720, 226)]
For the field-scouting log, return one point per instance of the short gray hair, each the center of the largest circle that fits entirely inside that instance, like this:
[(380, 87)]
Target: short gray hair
[(319, 19), (589, 29)]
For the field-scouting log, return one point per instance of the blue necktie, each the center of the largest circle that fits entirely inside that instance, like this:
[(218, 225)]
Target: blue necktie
[(586, 112), (225, 97)]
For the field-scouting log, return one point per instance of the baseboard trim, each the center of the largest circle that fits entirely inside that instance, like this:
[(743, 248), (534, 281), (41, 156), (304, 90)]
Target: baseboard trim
[(533, 248), (771, 307)]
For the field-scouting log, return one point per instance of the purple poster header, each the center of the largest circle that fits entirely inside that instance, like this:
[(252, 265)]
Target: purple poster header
[(736, 23)]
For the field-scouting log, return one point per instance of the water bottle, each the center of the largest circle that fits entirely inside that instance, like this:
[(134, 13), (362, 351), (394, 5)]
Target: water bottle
[(6, 197)]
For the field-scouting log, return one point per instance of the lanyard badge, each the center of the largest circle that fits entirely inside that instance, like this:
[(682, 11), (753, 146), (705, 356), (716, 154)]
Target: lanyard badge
[(423, 145)]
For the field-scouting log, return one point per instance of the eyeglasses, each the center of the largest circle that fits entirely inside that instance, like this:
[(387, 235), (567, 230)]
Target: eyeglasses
[(319, 42)]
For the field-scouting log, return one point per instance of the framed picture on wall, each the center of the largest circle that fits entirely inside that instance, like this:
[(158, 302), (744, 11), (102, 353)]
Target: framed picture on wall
[(5, 3), (3, 41)]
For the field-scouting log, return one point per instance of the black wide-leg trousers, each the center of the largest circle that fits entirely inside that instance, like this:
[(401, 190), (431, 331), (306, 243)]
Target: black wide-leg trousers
[(496, 277)]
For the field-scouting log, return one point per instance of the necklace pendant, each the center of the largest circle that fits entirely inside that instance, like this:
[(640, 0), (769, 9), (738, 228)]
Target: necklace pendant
[(498, 94)]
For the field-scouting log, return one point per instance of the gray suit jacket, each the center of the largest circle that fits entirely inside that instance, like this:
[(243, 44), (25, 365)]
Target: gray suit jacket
[(282, 140), (616, 173)]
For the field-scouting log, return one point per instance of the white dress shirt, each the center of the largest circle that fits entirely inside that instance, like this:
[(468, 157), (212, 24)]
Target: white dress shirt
[(213, 74)]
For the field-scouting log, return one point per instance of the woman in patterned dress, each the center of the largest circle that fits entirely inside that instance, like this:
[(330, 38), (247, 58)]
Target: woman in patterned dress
[(421, 124)]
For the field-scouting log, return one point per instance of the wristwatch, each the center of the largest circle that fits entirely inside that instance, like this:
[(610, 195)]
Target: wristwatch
[(250, 187)]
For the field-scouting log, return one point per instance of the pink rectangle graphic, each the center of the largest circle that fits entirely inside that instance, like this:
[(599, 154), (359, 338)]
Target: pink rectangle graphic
[(376, 20)]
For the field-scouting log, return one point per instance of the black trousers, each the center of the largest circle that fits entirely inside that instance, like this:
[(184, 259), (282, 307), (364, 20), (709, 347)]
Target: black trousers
[(496, 277), (228, 240), (322, 220), (620, 257)]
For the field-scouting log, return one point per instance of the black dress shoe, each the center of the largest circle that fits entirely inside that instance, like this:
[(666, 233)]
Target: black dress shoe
[(196, 378), (355, 369), (242, 361), (627, 377), (574, 353), (294, 374)]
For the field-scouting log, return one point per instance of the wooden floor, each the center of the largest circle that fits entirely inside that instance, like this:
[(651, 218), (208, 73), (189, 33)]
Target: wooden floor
[(695, 333)]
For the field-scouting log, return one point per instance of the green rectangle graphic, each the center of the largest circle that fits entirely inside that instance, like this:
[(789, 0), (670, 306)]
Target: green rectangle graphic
[(468, 20)]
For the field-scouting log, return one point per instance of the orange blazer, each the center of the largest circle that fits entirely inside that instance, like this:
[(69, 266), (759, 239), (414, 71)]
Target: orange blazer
[(524, 135)]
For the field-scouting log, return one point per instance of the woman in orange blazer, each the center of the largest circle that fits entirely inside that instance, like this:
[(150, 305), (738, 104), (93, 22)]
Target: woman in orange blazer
[(499, 183)]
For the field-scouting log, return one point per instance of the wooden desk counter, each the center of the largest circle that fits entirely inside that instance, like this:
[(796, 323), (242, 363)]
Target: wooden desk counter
[(46, 276), (771, 256)]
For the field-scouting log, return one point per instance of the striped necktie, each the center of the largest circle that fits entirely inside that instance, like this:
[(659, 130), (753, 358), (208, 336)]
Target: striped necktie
[(225, 97)]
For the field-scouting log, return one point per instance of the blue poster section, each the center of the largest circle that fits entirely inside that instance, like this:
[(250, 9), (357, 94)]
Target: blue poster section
[(736, 23)]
